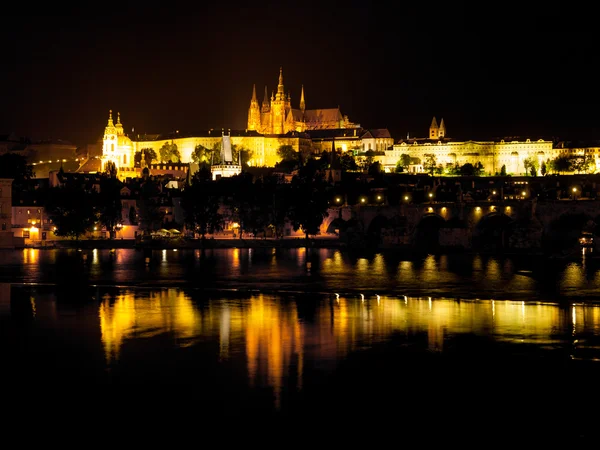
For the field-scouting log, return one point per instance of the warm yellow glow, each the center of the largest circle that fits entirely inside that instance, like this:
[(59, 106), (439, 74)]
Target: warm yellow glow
[(478, 209), (492, 208), (128, 317), (406, 197), (430, 209), (338, 199), (444, 209), (523, 193), (494, 192), (574, 189), (362, 200), (379, 197), (430, 194), (508, 208), (235, 225)]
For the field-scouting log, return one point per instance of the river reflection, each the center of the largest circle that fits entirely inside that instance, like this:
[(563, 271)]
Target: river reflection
[(315, 270), (261, 331), (278, 341)]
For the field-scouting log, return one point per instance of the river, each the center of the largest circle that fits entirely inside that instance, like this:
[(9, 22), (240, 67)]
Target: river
[(500, 345)]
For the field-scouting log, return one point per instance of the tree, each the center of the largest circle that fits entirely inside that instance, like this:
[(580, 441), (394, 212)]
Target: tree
[(287, 153), (543, 169), (239, 197), (15, 167), (133, 220), (169, 152), (149, 156), (348, 162), (478, 169), (561, 164), (375, 169), (531, 166), (72, 210), (467, 170), (200, 201), (110, 169), (241, 155), (201, 155), (430, 163), (403, 163), (109, 205), (150, 215), (369, 159), (503, 170), (308, 203)]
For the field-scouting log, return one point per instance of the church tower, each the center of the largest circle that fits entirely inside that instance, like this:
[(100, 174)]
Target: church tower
[(109, 142), (442, 132), (434, 130), (302, 104), (254, 112), (117, 147), (278, 107)]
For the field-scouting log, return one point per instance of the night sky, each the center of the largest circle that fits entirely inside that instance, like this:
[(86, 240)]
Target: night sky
[(495, 71)]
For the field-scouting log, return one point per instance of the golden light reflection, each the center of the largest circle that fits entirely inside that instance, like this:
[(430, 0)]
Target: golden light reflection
[(30, 255), (167, 311), (276, 342)]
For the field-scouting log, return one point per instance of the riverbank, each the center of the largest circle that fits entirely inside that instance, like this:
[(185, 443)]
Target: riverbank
[(191, 243), (318, 242)]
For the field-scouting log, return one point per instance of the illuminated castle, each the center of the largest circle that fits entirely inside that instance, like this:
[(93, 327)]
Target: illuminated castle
[(493, 154), (276, 115)]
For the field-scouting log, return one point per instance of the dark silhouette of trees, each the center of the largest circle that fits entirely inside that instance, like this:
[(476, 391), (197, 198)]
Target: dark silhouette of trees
[(200, 201), (150, 214), (309, 200), (72, 209), (109, 205)]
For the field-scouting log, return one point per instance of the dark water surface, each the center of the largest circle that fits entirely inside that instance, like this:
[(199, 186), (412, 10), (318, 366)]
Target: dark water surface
[(313, 344)]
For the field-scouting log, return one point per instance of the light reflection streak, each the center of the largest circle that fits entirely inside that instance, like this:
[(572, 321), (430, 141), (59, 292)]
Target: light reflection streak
[(276, 342)]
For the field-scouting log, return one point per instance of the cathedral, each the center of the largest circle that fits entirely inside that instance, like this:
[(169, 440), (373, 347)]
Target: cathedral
[(276, 115)]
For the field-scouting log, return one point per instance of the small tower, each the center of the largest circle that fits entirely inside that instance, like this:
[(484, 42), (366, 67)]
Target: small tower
[(227, 167), (442, 132), (266, 107), (434, 130), (254, 112)]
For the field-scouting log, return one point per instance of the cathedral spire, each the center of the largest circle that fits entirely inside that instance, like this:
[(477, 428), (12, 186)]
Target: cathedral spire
[(110, 121), (280, 93), (302, 104), (253, 99), (266, 107)]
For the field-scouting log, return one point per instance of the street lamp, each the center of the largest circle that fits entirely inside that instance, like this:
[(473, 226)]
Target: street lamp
[(574, 193)]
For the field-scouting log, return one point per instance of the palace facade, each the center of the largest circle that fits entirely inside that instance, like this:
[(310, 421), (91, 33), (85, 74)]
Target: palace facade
[(492, 154)]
